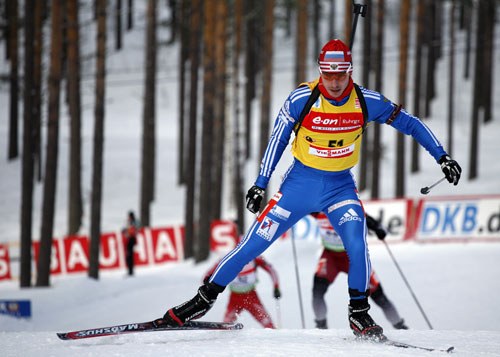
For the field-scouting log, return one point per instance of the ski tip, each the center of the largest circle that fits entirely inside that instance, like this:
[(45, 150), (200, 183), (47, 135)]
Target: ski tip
[(450, 349), (238, 326), (62, 336)]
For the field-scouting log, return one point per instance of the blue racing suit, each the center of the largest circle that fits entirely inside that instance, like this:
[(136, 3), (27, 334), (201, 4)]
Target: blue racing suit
[(307, 189)]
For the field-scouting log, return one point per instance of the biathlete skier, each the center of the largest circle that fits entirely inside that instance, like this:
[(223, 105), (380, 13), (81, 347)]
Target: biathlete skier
[(326, 146)]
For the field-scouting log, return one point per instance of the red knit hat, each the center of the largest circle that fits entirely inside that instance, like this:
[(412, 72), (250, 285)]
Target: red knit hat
[(335, 56)]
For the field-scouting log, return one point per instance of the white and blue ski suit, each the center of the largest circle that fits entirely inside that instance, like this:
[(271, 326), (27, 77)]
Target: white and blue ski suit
[(325, 148)]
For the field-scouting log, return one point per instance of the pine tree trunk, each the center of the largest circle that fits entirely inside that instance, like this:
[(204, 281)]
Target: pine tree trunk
[(130, 14), (418, 82), (238, 180), (49, 188), (403, 64), (182, 96), (149, 120), (96, 199), (37, 87), (201, 253), (451, 78), (13, 23), (316, 20), (363, 181), (219, 107), (267, 63), (468, 16), (477, 95), (301, 44), (118, 25), (378, 66), (253, 37), (75, 200), (194, 58), (173, 4), (348, 10), (488, 67), (331, 21), (28, 147)]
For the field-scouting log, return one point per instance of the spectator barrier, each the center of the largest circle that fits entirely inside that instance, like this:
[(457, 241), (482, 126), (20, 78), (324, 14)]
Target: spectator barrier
[(467, 218)]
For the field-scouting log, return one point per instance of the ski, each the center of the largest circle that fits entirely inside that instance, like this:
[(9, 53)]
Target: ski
[(407, 345), (146, 327), (387, 341)]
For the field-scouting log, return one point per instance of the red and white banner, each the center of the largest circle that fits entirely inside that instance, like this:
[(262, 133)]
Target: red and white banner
[(224, 236), (432, 219), (4, 262), (395, 215), (154, 246)]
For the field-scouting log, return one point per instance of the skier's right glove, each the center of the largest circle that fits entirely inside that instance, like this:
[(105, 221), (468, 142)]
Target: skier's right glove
[(254, 198), (277, 293), (451, 169)]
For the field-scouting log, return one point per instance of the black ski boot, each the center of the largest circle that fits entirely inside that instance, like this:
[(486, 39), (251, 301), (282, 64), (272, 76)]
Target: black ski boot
[(361, 323), (191, 309), (321, 324)]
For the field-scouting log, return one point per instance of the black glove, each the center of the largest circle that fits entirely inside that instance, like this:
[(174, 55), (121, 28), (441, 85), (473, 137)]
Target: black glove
[(375, 226), (451, 169), (381, 233), (254, 198), (277, 293)]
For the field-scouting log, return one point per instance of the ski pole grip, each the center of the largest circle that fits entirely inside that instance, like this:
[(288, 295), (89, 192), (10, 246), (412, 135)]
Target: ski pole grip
[(360, 9)]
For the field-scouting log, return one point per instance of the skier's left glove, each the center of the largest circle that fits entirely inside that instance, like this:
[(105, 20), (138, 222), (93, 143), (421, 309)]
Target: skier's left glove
[(451, 169), (277, 293)]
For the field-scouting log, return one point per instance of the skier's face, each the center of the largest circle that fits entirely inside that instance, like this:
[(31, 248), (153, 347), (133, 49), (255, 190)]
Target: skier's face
[(335, 83)]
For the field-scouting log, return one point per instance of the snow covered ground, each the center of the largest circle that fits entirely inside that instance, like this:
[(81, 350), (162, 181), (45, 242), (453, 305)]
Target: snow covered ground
[(455, 283)]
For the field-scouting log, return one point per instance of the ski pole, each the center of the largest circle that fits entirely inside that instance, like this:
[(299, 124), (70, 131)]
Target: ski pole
[(427, 189), (278, 314), (408, 285), (298, 279), (357, 10)]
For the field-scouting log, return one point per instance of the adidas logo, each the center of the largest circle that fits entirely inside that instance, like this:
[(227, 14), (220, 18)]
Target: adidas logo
[(349, 216)]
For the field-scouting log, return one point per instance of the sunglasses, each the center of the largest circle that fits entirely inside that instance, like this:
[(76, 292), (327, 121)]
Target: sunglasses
[(339, 76)]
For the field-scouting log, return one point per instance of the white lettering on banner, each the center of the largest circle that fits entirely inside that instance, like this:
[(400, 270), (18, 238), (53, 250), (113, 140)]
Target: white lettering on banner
[(179, 242), (321, 152), (459, 218), (140, 248), (223, 236), (164, 246), (76, 255), (54, 259), (112, 257), (61, 257), (4, 263)]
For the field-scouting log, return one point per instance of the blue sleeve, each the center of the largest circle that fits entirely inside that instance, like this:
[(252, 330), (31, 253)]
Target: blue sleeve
[(380, 110), (280, 135)]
